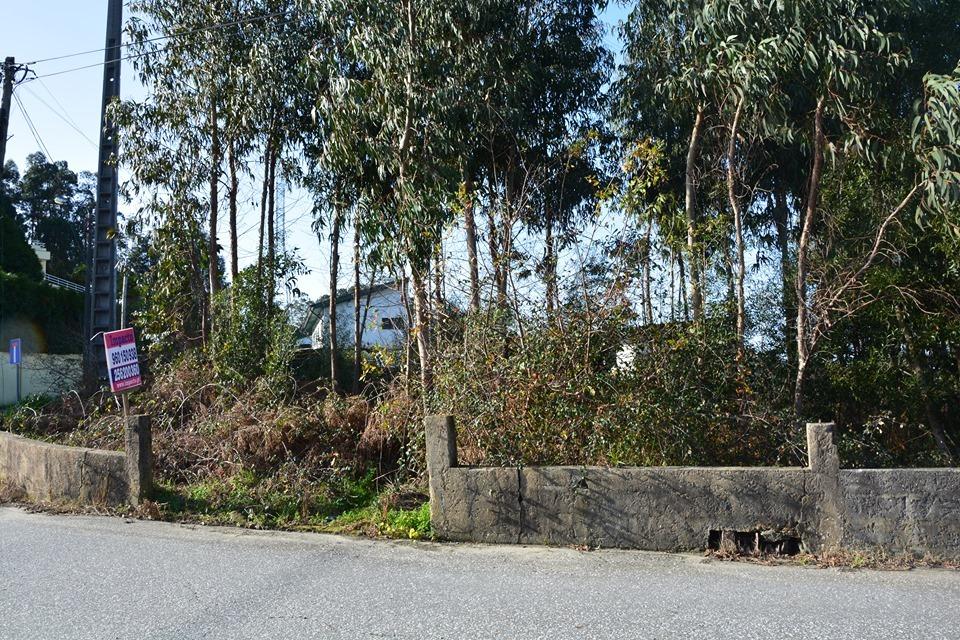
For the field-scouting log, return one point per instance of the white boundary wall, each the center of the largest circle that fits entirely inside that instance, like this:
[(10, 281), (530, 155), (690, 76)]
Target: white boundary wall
[(43, 374)]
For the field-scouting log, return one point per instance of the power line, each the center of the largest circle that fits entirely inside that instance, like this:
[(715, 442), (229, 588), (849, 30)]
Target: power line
[(88, 66), (33, 129), (177, 34), (62, 117), (54, 97)]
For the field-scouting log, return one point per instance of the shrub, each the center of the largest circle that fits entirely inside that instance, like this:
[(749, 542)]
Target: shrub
[(552, 394), (249, 341)]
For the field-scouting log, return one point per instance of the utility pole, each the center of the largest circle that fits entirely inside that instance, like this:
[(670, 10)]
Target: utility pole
[(8, 70), (103, 276)]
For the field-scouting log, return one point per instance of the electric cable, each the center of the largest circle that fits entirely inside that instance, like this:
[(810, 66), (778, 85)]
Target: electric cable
[(33, 129), (177, 34), (58, 103), (62, 117)]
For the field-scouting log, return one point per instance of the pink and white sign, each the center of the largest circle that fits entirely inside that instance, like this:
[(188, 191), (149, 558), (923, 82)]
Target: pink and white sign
[(123, 366)]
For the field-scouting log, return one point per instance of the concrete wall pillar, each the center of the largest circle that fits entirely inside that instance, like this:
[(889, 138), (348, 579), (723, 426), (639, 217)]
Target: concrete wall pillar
[(827, 503), (441, 435), (137, 445), (441, 444), (821, 448)]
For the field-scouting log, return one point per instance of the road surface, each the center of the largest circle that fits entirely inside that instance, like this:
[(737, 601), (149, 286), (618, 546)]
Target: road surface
[(98, 577)]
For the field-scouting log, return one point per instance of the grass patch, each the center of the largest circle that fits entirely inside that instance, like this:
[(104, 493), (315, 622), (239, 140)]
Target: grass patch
[(348, 506), (375, 522)]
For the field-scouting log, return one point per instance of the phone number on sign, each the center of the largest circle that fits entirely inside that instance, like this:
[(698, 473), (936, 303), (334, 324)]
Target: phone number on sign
[(126, 372), (123, 356)]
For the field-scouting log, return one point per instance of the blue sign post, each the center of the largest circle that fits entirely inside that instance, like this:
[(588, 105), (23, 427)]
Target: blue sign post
[(16, 356)]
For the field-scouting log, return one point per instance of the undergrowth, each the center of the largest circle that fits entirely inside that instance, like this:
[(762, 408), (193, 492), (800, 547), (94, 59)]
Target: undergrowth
[(252, 456)]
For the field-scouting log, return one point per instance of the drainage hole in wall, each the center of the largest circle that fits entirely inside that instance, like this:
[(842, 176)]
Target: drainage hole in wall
[(753, 543)]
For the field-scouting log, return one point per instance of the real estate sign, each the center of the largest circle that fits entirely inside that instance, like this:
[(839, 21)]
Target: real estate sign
[(123, 366)]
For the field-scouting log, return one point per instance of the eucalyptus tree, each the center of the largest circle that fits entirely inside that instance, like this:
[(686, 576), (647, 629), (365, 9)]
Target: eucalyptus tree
[(749, 75), (395, 113), (279, 107), (835, 55), (187, 62), (663, 91), (565, 133), (533, 93)]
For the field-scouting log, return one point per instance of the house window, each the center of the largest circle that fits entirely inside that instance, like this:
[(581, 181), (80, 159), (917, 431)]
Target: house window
[(393, 324)]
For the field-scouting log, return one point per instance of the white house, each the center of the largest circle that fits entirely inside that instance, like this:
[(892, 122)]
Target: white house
[(42, 255), (383, 317)]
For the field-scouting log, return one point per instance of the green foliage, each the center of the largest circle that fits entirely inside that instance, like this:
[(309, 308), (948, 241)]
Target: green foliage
[(49, 320), (169, 285), (249, 340), (411, 114), (16, 256), (385, 517), (55, 205), (558, 396), (251, 500), (393, 108)]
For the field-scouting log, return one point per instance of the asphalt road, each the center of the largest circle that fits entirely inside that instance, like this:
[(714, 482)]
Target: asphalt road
[(98, 577)]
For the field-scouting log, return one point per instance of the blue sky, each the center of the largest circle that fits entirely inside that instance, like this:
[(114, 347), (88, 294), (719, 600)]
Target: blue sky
[(65, 108)]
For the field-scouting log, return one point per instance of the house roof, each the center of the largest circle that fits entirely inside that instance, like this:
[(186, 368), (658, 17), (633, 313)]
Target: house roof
[(316, 309)]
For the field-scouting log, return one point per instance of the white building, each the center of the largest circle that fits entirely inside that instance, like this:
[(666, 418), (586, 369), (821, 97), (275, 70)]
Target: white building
[(42, 255), (383, 318)]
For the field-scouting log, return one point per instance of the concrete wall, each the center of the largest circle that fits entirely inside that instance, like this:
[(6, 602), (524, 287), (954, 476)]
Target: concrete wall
[(46, 472), (52, 473), (43, 374), (676, 508), (914, 510)]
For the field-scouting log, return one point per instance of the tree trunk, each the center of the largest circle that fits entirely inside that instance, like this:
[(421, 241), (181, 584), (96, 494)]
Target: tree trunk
[(506, 245), (737, 227), (494, 246), (804, 340), (673, 289), (647, 257), (470, 225), (234, 188), (438, 268), (263, 216), (271, 231), (332, 305), (550, 266), (407, 343), (213, 251), (690, 207), (683, 286), (421, 309), (730, 278), (357, 326), (781, 217), (197, 285)]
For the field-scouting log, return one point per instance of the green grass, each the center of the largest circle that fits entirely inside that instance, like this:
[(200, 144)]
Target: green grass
[(372, 520), (246, 500)]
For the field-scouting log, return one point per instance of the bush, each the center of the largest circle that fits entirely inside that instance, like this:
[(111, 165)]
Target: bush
[(249, 341), (554, 395)]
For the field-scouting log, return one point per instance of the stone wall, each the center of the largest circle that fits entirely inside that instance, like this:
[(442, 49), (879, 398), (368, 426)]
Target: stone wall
[(45, 472), (677, 508)]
